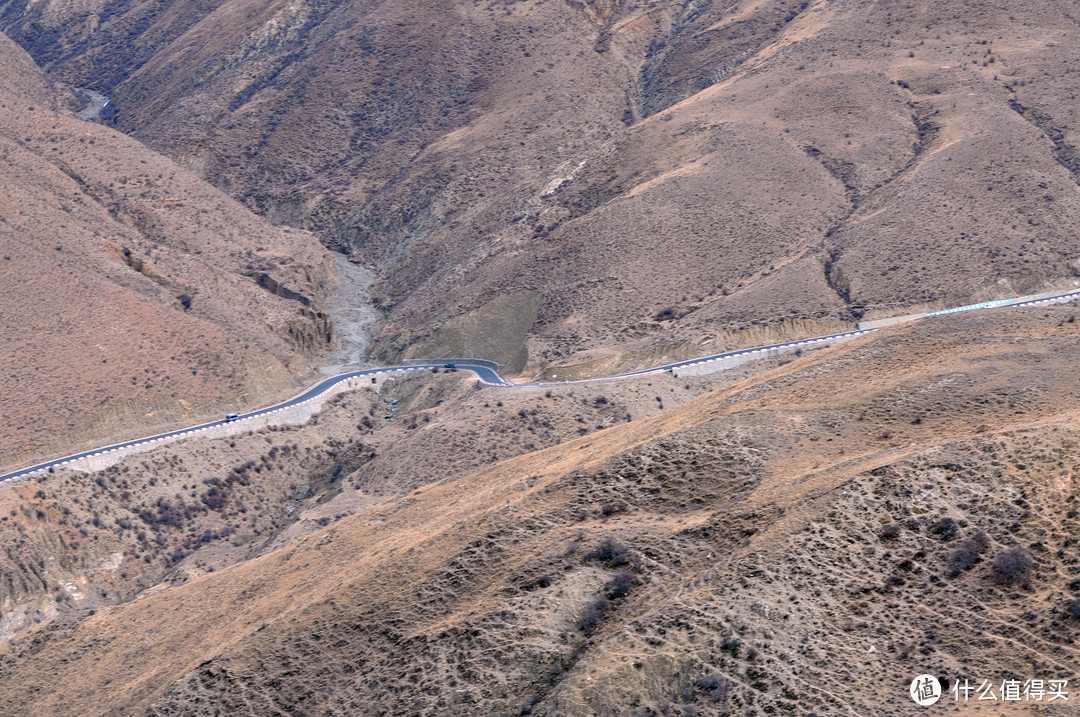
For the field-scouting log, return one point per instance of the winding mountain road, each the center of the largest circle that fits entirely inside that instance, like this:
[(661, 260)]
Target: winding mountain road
[(488, 375)]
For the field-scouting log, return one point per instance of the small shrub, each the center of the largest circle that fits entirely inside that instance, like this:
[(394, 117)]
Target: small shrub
[(709, 682), (715, 685), (890, 531), (594, 613), (1013, 566), (967, 553), (1072, 609), (214, 499), (611, 552), (730, 644), (961, 559), (945, 529), (610, 509), (621, 584)]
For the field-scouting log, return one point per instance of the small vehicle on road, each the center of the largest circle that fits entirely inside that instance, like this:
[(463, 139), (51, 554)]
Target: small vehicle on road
[(230, 417), (449, 364)]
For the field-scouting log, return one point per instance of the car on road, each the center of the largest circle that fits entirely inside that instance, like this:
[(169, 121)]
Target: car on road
[(449, 364), (230, 417)]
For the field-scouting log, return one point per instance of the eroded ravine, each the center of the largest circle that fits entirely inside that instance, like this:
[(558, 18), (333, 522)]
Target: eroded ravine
[(353, 315)]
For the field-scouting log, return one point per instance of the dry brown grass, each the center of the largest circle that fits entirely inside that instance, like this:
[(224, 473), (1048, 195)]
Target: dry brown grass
[(175, 513), (725, 168), (125, 298), (753, 517)]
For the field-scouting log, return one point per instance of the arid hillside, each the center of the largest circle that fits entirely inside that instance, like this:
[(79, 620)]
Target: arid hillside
[(73, 541), (534, 179), (569, 189), (133, 294), (899, 504)]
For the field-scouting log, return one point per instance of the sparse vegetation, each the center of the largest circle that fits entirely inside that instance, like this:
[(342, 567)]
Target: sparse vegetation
[(610, 552), (594, 613), (620, 585), (967, 553), (944, 529), (753, 553), (714, 685), (694, 553)]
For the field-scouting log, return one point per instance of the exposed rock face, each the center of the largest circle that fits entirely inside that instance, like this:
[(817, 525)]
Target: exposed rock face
[(127, 283), (655, 172)]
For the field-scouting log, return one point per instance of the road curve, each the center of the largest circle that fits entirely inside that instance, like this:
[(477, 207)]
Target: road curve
[(488, 376), (484, 373)]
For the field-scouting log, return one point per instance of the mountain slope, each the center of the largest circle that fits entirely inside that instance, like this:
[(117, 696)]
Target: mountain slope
[(634, 176), (133, 293), (756, 548)]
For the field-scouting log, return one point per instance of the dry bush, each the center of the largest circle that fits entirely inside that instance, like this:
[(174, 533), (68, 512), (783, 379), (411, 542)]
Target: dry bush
[(1013, 566), (967, 553)]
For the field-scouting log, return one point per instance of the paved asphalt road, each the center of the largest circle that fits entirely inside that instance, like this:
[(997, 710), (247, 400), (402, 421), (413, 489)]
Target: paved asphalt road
[(488, 376)]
